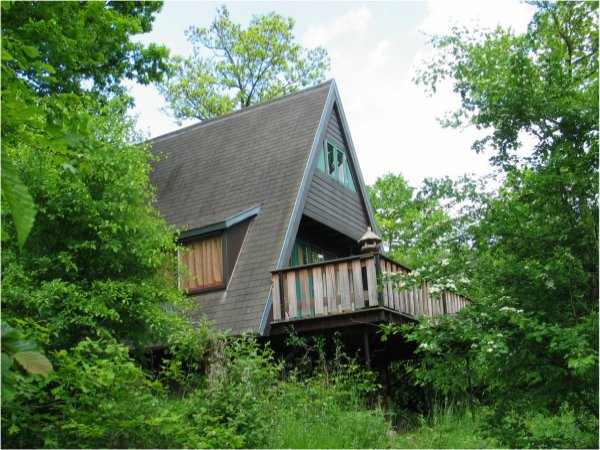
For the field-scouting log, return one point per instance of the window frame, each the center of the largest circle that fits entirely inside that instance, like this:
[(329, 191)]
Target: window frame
[(324, 164)]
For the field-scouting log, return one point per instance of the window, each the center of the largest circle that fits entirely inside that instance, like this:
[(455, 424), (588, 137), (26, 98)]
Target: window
[(204, 259), (333, 161), (306, 253)]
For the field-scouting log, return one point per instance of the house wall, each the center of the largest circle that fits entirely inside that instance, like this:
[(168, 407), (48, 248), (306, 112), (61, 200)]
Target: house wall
[(331, 203)]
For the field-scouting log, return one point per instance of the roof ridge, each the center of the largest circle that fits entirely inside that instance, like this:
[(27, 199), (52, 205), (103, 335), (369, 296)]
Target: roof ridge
[(240, 111)]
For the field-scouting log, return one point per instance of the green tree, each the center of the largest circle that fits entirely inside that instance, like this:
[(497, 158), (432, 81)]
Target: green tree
[(530, 248), (93, 254), (81, 45), (415, 225), (93, 266), (245, 66)]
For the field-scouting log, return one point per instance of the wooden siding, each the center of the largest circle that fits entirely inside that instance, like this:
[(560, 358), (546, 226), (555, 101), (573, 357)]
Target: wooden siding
[(331, 203)]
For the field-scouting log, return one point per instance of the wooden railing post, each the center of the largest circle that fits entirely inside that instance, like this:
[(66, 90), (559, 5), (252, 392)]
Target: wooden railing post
[(444, 307), (281, 294), (378, 273)]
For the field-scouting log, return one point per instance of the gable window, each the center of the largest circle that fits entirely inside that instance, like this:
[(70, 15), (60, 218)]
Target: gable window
[(333, 161), (203, 258)]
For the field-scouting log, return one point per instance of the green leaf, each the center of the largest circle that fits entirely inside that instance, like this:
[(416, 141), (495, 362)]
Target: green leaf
[(6, 56), (48, 68), (30, 51), (34, 362), (18, 198)]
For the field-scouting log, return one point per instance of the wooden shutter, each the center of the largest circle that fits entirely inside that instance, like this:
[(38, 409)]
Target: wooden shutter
[(204, 261)]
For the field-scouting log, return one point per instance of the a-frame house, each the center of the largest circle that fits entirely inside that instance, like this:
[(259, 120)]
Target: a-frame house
[(271, 203)]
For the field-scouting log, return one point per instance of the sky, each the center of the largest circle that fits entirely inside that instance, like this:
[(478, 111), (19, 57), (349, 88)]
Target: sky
[(375, 49)]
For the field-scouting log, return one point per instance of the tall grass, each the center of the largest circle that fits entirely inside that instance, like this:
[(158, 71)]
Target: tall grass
[(317, 415), (450, 428)]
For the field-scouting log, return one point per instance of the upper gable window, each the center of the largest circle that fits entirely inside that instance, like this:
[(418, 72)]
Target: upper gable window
[(333, 161), (203, 258)]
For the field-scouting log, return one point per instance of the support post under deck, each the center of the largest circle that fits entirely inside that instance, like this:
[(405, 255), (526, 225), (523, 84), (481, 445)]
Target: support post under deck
[(367, 351)]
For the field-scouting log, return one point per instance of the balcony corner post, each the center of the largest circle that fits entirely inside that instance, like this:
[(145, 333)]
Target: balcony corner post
[(281, 294)]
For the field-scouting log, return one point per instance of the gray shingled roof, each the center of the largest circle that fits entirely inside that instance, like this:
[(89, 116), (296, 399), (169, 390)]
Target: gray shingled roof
[(219, 168)]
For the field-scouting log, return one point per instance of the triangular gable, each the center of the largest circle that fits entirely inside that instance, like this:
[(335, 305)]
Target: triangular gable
[(333, 197), (332, 116)]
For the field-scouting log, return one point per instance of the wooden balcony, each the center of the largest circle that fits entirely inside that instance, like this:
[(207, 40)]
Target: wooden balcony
[(346, 285)]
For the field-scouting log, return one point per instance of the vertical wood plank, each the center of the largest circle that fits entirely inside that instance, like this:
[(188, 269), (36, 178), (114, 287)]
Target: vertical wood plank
[(404, 299), (276, 298), (418, 304), (424, 299), (304, 295), (318, 288), (415, 293), (384, 291), (291, 297), (429, 301), (372, 282), (331, 294), (359, 299), (402, 295), (395, 292), (344, 286), (388, 286)]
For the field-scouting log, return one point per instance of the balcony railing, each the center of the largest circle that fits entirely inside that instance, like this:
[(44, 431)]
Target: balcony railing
[(350, 284)]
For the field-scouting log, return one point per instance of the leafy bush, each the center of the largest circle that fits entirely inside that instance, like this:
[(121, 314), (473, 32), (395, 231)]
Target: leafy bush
[(527, 429), (96, 397)]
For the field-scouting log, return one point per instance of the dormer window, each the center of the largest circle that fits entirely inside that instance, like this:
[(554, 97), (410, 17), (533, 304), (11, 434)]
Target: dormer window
[(333, 161), (203, 258), (210, 253)]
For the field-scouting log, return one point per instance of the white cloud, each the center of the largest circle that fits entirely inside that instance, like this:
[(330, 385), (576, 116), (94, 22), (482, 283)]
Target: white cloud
[(356, 20), (442, 15)]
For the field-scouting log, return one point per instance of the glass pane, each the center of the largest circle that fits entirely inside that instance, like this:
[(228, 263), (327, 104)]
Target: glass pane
[(340, 164), (318, 254), (321, 160), (331, 167)]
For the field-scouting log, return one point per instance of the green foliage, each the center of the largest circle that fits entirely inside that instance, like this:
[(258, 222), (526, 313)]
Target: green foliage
[(321, 395), (230, 410), (450, 428), (563, 429), (96, 397), (94, 255), (15, 347), (18, 199), (408, 221), (96, 259), (527, 251), (80, 44), (314, 414), (247, 66)]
